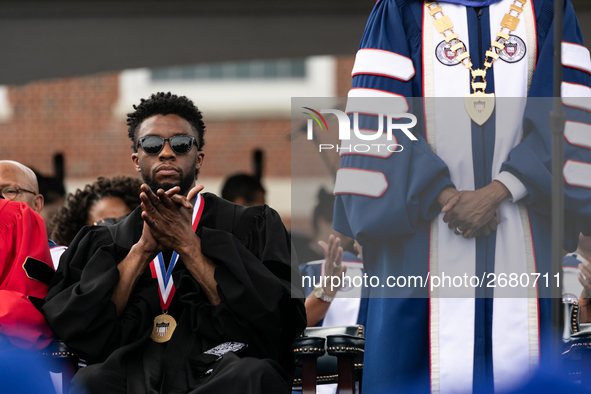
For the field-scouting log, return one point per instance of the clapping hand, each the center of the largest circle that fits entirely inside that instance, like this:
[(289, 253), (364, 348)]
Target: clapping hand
[(168, 215)]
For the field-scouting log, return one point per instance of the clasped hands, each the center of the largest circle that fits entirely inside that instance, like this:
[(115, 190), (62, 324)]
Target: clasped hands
[(168, 225), (167, 219), (472, 213)]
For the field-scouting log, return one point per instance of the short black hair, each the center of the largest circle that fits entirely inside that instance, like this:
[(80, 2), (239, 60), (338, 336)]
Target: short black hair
[(242, 185), (166, 104), (70, 219)]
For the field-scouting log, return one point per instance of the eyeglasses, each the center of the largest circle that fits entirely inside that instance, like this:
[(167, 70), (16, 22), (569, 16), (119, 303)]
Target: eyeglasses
[(108, 221), (10, 193), (180, 144)]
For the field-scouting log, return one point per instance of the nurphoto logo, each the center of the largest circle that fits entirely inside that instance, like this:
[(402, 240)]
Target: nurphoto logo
[(362, 134)]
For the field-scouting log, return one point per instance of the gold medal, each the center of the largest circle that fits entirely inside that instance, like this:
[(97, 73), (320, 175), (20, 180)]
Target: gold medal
[(163, 329), (164, 324)]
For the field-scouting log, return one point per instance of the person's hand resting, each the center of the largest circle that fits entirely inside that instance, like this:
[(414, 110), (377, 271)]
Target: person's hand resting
[(472, 213)]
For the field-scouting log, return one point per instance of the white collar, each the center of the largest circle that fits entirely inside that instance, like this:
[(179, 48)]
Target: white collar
[(578, 257)]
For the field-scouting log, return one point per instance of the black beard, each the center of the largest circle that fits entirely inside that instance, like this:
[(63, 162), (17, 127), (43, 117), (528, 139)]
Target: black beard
[(186, 182)]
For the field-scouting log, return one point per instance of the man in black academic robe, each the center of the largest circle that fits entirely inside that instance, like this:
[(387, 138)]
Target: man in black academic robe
[(232, 279)]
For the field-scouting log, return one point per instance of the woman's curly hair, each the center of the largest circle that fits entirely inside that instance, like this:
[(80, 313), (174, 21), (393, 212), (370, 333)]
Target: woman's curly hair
[(70, 219)]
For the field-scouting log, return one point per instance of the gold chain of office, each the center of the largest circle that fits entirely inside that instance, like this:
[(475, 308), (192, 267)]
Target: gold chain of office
[(444, 26)]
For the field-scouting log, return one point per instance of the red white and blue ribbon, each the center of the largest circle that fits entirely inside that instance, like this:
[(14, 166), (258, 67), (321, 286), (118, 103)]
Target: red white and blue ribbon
[(165, 282)]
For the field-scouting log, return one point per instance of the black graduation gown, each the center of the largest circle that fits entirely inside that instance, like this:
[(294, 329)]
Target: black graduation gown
[(253, 275)]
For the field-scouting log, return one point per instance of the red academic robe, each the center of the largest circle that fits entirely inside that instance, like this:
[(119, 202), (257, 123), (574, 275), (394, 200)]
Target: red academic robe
[(23, 236)]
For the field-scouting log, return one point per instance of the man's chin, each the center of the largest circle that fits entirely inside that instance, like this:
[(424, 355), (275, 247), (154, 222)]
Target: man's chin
[(162, 185), (167, 183)]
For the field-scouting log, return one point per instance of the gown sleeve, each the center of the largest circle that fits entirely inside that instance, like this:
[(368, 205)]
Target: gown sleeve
[(78, 305), (253, 274), (383, 194), (530, 160)]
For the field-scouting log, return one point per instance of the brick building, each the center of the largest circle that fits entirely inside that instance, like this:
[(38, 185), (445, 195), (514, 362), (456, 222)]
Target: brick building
[(246, 106)]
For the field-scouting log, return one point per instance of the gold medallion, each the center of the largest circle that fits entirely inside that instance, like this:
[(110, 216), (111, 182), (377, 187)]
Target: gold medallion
[(480, 106), (163, 329)]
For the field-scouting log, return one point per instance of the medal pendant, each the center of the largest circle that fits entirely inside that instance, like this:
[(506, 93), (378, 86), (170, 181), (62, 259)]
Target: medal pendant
[(164, 326), (480, 106)]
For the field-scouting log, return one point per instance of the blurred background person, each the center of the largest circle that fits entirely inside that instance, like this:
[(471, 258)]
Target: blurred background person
[(53, 190), (244, 189), (307, 248), (576, 283), (107, 198), (571, 268), (322, 223), (342, 305), (339, 305)]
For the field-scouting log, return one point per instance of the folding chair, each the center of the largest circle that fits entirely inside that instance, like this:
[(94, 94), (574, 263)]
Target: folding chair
[(577, 340), (62, 360), (329, 355)]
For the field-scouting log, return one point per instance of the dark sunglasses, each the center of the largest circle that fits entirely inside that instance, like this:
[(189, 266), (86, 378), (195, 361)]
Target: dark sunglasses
[(180, 144)]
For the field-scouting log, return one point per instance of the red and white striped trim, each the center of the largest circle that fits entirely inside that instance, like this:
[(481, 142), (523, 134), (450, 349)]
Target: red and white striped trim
[(578, 134), (576, 56), (360, 182), (374, 101), (575, 95), (380, 147), (577, 173), (533, 306), (383, 63)]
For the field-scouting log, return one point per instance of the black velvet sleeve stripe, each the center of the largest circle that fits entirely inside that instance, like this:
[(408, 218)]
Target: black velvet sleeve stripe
[(38, 270)]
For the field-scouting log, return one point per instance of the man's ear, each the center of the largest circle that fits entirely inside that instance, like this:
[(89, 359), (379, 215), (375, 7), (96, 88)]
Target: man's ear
[(200, 158), (38, 202), (136, 161)]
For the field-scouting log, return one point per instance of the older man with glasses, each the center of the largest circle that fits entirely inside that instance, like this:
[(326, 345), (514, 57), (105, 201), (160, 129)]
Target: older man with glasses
[(25, 260), (19, 183)]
